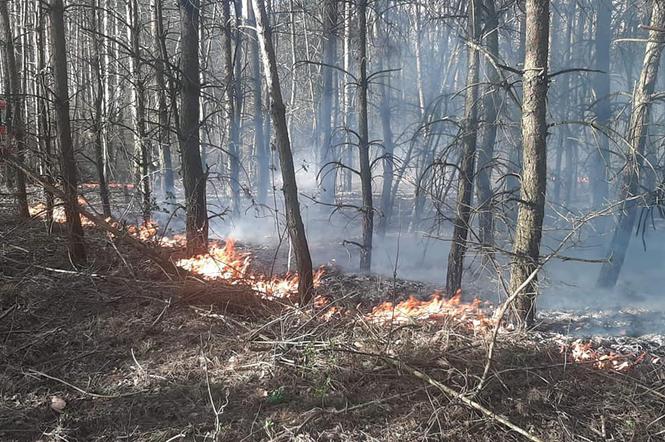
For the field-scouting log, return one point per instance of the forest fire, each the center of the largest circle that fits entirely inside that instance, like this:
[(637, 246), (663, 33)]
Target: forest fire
[(221, 262), (40, 210), (227, 263), (437, 308), (584, 353)]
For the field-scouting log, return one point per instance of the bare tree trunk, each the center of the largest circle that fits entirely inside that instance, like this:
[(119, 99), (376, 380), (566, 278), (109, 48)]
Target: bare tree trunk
[(486, 151), (526, 247), (326, 154), (293, 219), (43, 123), (166, 161), (601, 88), (16, 99), (141, 154), (363, 144), (637, 136), (260, 145), (233, 125), (385, 113), (98, 73), (515, 155), (76, 242), (468, 163), (194, 179), (347, 106)]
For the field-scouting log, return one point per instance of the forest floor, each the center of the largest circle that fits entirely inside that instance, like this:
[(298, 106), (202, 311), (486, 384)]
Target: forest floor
[(116, 351)]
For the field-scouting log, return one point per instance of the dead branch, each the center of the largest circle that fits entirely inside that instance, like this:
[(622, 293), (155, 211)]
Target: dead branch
[(465, 400), (164, 263)]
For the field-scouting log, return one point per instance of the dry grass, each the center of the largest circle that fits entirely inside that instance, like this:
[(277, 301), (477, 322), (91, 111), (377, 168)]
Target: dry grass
[(143, 358)]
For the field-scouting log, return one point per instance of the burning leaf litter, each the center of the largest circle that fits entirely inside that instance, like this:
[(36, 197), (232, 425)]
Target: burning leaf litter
[(224, 262)]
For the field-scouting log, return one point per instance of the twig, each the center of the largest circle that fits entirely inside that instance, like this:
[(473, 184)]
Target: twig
[(80, 390), (459, 396), (8, 311)]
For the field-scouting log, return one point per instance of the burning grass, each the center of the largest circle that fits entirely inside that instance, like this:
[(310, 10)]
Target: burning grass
[(145, 368), (222, 262), (437, 308)]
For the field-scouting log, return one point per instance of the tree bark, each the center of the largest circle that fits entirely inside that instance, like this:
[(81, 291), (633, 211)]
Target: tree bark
[(260, 145), (230, 85), (486, 150), (166, 161), (468, 163), (385, 113), (363, 144), (76, 244), (141, 153), (326, 154), (43, 119), (17, 126), (293, 219), (637, 137), (526, 246), (194, 179), (98, 72), (602, 110)]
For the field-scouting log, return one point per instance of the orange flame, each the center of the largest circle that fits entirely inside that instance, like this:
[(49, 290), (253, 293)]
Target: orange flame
[(226, 263), (583, 352), (39, 210), (435, 309)]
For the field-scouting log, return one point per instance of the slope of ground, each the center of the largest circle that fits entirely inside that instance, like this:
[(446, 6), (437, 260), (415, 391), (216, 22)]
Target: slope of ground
[(116, 351)]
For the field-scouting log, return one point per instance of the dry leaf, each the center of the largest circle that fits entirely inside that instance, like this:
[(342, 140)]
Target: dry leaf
[(58, 404)]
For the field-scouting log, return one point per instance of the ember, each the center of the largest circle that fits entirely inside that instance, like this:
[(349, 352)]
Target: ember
[(435, 309)]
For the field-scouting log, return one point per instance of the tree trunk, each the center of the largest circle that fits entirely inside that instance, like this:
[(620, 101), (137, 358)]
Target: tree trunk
[(347, 101), (526, 246), (326, 154), (486, 151), (43, 119), (76, 242), (637, 134), (385, 113), (290, 188), (98, 72), (467, 166), (363, 144), (141, 153), (194, 179), (233, 124), (17, 126), (601, 89), (260, 145), (166, 161)]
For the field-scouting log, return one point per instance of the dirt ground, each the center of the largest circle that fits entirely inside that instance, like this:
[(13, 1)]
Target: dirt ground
[(116, 351)]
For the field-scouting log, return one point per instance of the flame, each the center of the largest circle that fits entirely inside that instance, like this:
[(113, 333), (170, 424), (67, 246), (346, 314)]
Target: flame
[(583, 352), (435, 309), (227, 263), (219, 263), (39, 210)]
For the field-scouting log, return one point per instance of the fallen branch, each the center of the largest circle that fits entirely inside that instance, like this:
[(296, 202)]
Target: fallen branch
[(99, 221), (80, 390), (465, 400)]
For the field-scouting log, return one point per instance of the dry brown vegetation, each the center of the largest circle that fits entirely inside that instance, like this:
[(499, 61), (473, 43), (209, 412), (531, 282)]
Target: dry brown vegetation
[(135, 356)]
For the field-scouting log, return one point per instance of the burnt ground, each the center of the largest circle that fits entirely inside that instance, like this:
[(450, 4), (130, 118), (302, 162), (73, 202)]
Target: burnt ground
[(134, 357)]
